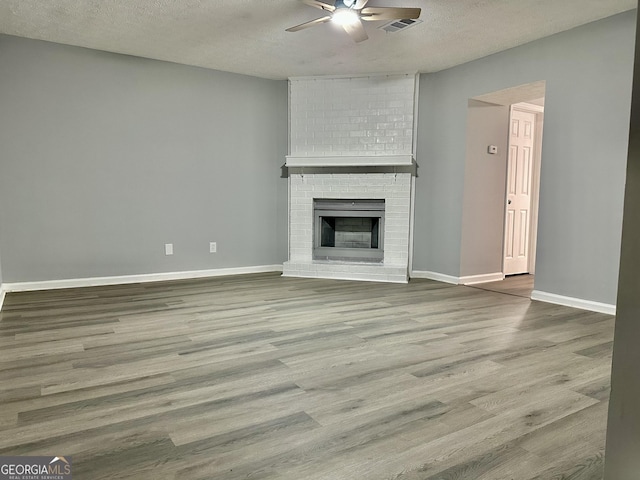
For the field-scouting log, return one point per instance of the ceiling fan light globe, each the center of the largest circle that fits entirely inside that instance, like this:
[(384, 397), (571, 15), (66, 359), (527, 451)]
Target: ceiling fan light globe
[(345, 16)]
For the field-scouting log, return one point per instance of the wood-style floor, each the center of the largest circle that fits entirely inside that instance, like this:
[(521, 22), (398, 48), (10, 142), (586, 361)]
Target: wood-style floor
[(264, 377), (518, 285)]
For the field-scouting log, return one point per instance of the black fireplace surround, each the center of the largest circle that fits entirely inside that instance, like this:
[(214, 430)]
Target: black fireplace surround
[(349, 230)]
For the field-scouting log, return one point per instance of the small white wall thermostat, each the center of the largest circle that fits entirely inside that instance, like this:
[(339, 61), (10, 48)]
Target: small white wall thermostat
[(492, 149)]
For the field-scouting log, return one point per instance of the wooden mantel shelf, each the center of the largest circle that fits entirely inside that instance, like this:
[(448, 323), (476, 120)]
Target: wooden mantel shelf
[(350, 161)]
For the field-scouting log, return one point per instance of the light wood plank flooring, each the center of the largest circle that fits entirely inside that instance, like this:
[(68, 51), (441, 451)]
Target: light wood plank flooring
[(264, 377)]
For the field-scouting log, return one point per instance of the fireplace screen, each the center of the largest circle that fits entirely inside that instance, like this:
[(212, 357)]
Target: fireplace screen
[(349, 230)]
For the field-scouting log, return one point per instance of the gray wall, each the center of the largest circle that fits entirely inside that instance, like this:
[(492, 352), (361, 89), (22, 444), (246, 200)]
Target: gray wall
[(105, 158), (588, 73), (623, 429), (484, 189)]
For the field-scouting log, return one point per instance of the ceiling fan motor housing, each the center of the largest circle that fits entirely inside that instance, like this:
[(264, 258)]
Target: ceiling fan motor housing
[(345, 3), (350, 13)]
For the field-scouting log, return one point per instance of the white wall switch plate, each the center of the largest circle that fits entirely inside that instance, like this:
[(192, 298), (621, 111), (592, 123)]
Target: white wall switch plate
[(492, 149), (168, 248), (213, 248)]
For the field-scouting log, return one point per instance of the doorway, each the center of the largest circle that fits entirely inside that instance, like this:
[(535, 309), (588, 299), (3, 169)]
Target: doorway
[(499, 231)]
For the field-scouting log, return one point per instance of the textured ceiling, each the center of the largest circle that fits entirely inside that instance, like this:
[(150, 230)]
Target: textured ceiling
[(523, 93), (248, 36)]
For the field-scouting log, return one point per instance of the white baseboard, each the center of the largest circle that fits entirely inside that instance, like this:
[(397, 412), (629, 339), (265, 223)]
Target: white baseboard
[(468, 280), (440, 277), (2, 294), (484, 278), (573, 302), (143, 278), (352, 278)]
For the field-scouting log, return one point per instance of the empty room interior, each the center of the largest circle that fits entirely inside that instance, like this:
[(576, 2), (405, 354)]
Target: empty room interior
[(264, 240)]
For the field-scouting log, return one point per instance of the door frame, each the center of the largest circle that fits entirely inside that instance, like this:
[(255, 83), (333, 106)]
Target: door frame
[(538, 111)]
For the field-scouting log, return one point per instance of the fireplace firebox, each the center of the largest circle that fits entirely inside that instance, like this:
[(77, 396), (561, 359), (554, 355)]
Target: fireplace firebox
[(349, 230)]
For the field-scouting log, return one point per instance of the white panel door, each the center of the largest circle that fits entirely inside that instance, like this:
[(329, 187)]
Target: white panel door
[(519, 182)]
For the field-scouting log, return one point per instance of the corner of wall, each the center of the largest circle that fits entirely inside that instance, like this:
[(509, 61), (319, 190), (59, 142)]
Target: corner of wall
[(2, 295), (438, 277)]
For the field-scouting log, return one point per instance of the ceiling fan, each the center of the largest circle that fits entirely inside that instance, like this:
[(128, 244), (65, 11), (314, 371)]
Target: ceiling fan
[(350, 13)]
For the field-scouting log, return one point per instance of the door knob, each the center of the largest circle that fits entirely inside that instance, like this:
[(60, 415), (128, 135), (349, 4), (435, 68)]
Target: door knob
[(508, 202)]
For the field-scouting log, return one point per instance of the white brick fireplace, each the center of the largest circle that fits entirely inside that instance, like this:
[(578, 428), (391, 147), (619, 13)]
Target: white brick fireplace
[(351, 138)]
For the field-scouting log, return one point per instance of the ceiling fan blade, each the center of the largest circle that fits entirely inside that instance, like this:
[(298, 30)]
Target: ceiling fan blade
[(302, 26), (320, 5), (360, 4), (356, 31), (388, 13)]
